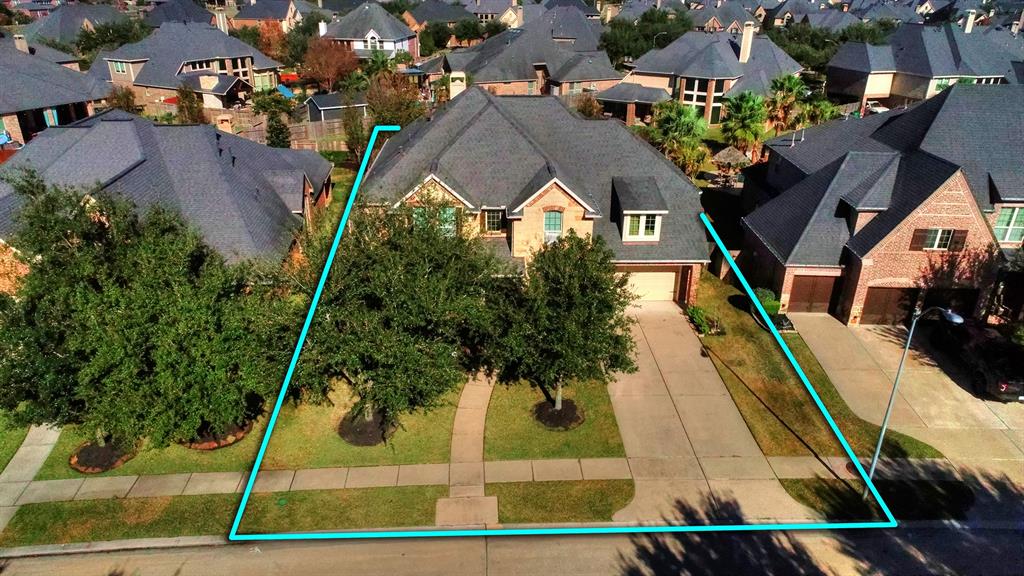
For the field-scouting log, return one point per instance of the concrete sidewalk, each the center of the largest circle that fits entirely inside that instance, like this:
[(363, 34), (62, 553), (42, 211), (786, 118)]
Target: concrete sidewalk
[(17, 477)]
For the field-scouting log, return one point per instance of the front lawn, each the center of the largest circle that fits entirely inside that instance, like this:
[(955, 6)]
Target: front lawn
[(570, 501), (306, 437), (512, 433), (774, 402), (10, 440), (842, 501), (97, 520), (170, 460)]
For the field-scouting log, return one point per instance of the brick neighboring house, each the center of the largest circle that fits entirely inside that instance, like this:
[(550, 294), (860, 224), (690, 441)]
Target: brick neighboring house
[(429, 11), (221, 69), (703, 69), (919, 62), (528, 169), (38, 94), (632, 10), (370, 27), (254, 13), (556, 54), (877, 215), (64, 24), (246, 199), (721, 15)]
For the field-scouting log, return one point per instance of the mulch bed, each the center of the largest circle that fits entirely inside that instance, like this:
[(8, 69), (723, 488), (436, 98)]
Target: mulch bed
[(91, 458), (569, 417), (210, 441), (358, 431)]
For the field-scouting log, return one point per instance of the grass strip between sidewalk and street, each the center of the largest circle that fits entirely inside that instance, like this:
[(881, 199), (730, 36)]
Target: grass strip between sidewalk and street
[(774, 402), (98, 520), (512, 432), (842, 500), (560, 501)]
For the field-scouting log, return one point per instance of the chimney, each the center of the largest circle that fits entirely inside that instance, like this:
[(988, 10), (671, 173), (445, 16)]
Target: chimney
[(657, 4), (252, 2), (969, 24), (20, 43), (222, 20), (747, 41), (320, 4), (718, 3), (520, 17), (322, 28)]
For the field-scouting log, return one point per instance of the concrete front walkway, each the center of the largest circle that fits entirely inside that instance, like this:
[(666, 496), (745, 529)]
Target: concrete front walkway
[(23, 467), (684, 437), (981, 438)]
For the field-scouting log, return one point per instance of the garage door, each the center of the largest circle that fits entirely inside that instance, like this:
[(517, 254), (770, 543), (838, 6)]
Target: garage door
[(659, 285), (811, 293), (888, 305)]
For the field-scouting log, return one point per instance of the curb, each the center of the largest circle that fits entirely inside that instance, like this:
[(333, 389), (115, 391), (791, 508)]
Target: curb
[(113, 546)]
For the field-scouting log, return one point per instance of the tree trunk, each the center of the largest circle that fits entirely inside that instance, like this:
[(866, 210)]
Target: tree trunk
[(558, 396)]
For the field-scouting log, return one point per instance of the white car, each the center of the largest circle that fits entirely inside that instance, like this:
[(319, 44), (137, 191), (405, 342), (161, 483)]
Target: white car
[(873, 107)]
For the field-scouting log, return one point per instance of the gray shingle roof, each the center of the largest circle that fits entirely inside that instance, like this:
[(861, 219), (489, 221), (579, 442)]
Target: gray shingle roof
[(264, 10), (369, 16), (438, 11), (40, 51), (726, 13), (931, 51), (716, 55), (65, 23), (630, 92), (834, 20), (240, 195), (632, 10), (31, 82), (496, 151), (890, 163), (486, 6), (174, 43), (511, 55), (337, 100), (177, 11)]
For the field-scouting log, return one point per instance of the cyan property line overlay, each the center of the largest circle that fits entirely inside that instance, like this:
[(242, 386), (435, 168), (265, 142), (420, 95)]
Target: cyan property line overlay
[(235, 536)]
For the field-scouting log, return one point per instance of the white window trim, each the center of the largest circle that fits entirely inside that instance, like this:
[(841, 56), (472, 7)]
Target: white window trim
[(123, 67), (935, 246), (550, 237), (641, 237), (1015, 212)]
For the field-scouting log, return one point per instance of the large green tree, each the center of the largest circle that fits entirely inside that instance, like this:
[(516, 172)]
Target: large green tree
[(788, 91), (129, 325), (569, 320), (745, 118), (109, 36), (654, 29), (393, 99), (190, 109), (278, 134), (434, 37), (678, 130), (405, 311)]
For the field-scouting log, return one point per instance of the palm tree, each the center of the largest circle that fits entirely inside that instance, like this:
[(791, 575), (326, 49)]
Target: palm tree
[(816, 110), (377, 63), (679, 131), (787, 92), (743, 126)]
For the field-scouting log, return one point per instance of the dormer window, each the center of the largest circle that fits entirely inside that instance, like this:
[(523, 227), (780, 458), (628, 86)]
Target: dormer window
[(642, 228), (120, 67), (374, 43)]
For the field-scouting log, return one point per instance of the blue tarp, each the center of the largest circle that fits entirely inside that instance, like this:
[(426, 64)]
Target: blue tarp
[(285, 91)]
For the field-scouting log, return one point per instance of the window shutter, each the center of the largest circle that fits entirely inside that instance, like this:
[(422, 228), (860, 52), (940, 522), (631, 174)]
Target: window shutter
[(958, 241), (918, 240)]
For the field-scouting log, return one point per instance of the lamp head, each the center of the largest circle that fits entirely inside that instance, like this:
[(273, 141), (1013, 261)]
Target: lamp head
[(952, 317)]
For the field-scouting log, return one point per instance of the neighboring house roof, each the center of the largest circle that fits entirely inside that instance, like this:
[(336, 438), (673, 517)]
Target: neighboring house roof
[(930, 51), (264, 10), (438, 11), (65, 22), (795, 8), (306, 8), (834, 20), (242, 196), (341, 6), (358, 23), (31, 82), (177, 11), (222, 85), (880, 10), (41, 51), (337, 100), (716, 55), (890, 163), (174, 43), (630, 92), (632, 10), (497, 152), (512, 55), (726, 13), (580, 5), (486, 6)]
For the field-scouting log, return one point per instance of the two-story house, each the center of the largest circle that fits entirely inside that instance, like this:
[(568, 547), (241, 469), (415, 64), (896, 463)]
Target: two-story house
[(881, 214), (223, 70), (919, 62), (526, 170), (702, 69), (284, 13), (418, 17), (67, 21), (370, 27)]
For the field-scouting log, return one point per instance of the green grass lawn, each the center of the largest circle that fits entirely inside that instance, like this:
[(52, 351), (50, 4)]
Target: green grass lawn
[(306, 437), (778, 409), (170, 460), (11, 438), (842, 501), (572, 501), (512, 433), (96, 520)]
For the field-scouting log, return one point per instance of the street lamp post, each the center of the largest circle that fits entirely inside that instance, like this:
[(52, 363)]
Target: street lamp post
[(948, 316), (654, 41)]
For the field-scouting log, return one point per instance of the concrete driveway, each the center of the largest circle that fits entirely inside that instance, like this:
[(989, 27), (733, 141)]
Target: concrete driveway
[(934, 403), (684, 437)]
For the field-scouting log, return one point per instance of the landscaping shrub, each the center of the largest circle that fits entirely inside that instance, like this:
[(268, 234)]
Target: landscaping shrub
[(704, 322), (768, 300)]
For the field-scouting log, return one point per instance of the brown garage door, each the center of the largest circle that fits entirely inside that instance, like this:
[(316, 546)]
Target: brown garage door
[(888, 305), (811, 293)]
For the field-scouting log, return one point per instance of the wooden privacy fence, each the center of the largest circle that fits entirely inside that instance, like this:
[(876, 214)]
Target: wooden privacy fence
[(326, 136)]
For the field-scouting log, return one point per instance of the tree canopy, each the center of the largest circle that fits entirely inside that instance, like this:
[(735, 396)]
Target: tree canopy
[(813, 47), (745, 117), (434, 37), (393, 99), (129, 324), (654, 29), (328, 62), (678, 131), (190, 109)]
